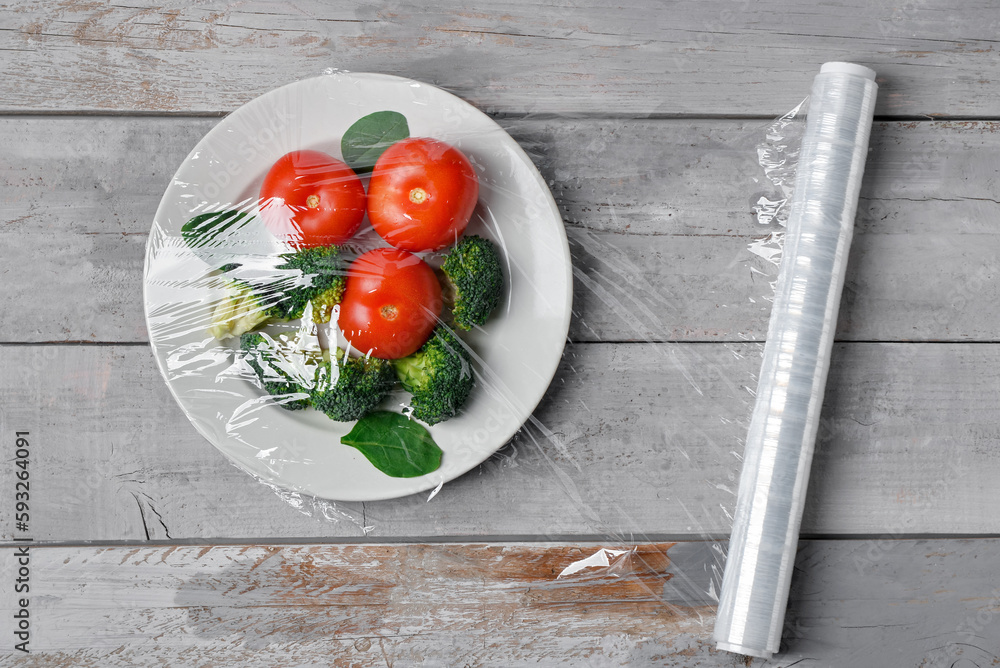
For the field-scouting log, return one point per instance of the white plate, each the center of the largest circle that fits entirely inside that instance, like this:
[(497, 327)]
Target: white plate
[(518, 349)]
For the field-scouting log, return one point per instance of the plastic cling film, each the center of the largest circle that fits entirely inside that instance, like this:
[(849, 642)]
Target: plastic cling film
[(778, 155), (581, 439), (634, 441), (782, 434), (248, 296)]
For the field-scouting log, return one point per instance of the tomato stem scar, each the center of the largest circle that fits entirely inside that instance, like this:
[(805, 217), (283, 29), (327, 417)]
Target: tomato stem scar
[(389, 312), (418, 195), (312, 201)]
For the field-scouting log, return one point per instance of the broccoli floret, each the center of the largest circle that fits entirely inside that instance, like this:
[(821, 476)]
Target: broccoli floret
[(439, 376), (475, 281), (251, 304), (358, 385), (242, 310), (282, 370), (325, 288)]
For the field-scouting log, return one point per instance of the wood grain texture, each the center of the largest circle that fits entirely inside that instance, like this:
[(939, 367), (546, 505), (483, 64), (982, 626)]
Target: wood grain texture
[(639, 437), (861, 603), (658, 214), (631, 440), (642, 58)]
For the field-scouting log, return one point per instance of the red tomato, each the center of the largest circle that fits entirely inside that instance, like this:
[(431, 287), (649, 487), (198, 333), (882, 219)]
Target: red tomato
[(421, 194), (391, 303), (312, 199)]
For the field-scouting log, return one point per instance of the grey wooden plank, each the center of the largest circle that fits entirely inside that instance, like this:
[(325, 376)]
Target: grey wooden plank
[(631, 440), (658, 213), (853, 602), (646, 57)]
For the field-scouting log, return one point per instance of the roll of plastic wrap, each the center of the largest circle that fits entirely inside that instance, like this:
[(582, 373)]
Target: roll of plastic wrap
[(782, 435)]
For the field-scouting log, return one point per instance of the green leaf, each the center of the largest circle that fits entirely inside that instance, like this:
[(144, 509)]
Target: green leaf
[(365, 141), (396, 445), (205, 229)]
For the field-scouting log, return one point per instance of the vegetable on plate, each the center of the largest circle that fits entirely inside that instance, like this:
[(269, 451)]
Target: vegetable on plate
[(422, 194), (474, 281), (311, 199), (353, 386), (395, 444), (391, 303), (439, 376), (308, 277), (284, 370)]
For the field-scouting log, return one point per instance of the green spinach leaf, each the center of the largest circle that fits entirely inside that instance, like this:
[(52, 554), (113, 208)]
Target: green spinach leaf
[(206, 229), (394, 444), (365, 141)]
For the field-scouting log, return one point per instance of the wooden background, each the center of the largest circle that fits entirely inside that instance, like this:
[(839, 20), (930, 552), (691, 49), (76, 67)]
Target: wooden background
[(150, 549)]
